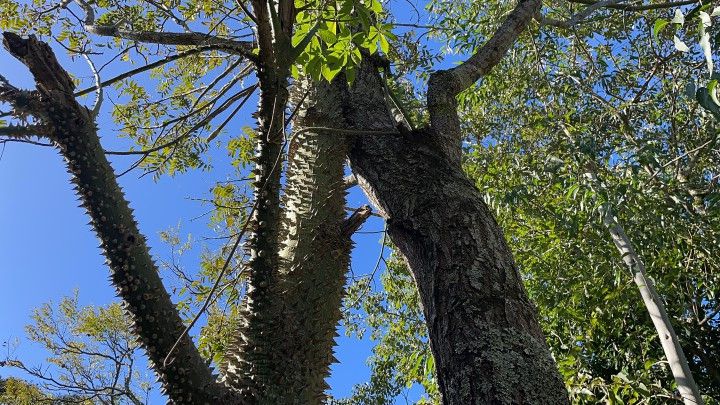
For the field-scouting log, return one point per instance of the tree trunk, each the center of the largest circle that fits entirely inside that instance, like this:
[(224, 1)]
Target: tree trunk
[(185, 378), (484, 335), (313, 260), (679, 366)]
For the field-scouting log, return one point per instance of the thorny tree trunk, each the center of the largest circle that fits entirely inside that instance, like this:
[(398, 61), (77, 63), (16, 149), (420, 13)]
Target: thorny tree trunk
[(314, 257), (186, 378), (257, 353)]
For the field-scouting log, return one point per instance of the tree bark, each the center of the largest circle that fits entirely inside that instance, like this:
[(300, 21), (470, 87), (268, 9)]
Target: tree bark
[(186, 378), (484, 335)]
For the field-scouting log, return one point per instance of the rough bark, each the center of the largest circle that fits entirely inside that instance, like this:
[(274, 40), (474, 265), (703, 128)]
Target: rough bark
[(484, 335), (186, 378)]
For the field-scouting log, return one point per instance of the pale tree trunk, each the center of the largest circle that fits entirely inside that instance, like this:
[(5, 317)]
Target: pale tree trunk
[(674, 354), (313, 260)]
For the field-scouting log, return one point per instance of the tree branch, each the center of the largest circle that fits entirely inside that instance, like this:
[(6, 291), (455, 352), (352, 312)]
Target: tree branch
[(629, 7), (23, 132), (464, 75), (144, 68), (355, 220), (577, 18), (445, 85), (243, 48), (155, 320)]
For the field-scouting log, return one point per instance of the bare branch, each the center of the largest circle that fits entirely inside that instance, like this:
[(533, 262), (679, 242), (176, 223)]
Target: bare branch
[(243, 48), (99, 89), (576, 18), (630, 7), (355, 220), (464, 75), (445, 85), (166, 38)]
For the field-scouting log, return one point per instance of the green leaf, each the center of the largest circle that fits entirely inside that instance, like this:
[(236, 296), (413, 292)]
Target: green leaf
[(660, 23), (706, 101), (713, 91), (327, 36), (384, 45), (350, 73)]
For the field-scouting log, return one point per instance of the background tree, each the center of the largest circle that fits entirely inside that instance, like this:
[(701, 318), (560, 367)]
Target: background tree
[(93, 354)]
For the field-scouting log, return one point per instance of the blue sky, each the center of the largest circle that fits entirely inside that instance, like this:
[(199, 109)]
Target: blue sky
[(47, 249)]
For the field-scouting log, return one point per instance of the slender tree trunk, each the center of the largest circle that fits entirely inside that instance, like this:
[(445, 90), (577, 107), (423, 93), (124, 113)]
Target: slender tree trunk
[(674, 354), (487, 343)]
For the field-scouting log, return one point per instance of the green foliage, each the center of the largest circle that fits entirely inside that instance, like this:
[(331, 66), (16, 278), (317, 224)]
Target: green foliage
[(14, 391), (392, 316), (335, 35), (92, 357)]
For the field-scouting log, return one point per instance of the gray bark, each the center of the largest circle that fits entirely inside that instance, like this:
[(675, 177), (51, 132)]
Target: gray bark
[(185, 378), (679, 366), (484, 335)]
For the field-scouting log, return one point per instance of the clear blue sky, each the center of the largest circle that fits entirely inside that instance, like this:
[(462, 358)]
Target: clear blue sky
[(47, 249)]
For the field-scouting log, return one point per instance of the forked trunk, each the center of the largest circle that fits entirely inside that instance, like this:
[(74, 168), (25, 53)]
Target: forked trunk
[(484, 334)]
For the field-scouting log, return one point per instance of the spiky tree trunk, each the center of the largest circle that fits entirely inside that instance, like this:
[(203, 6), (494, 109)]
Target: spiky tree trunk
[(257, 349), (185, 377), (314, 257)]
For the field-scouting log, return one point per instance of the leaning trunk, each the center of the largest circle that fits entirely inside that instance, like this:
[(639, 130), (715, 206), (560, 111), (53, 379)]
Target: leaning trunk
[(679, 366), (484, 334)]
